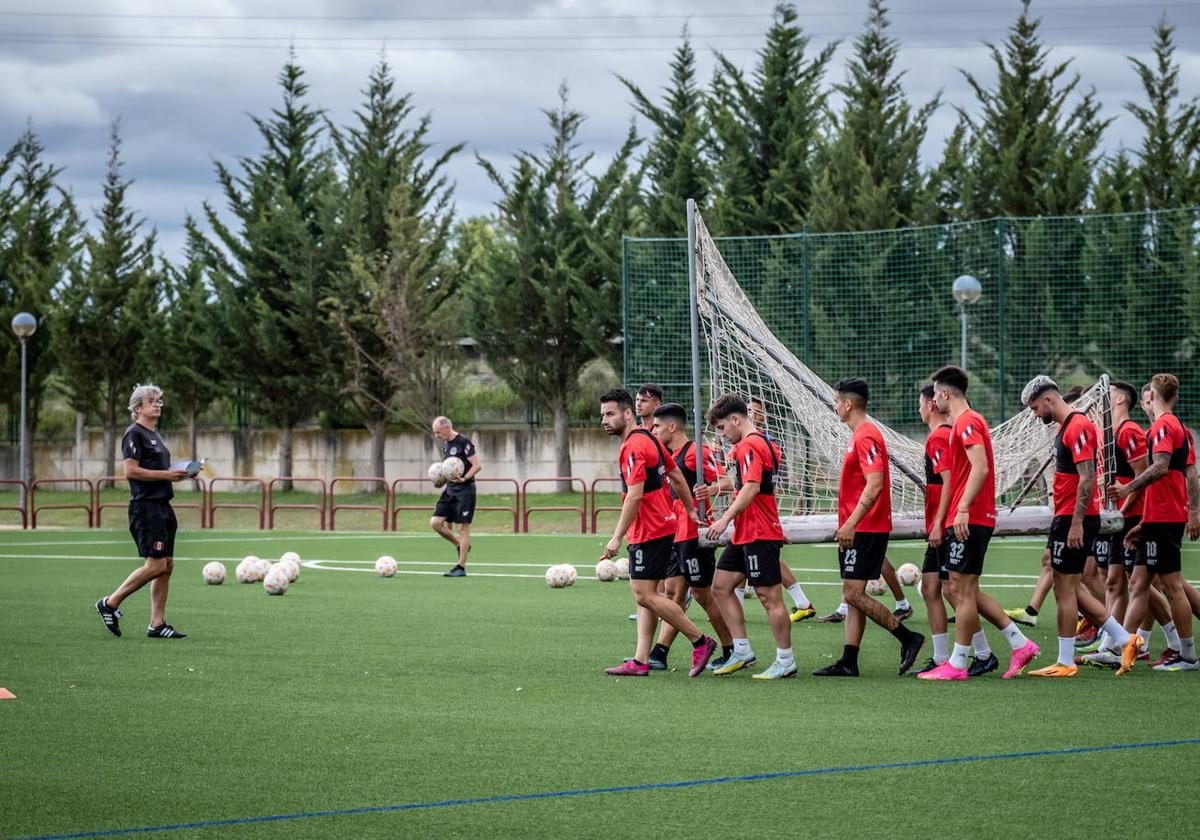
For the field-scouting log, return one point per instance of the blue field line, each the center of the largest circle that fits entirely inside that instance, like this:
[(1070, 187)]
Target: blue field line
[(558, 794)]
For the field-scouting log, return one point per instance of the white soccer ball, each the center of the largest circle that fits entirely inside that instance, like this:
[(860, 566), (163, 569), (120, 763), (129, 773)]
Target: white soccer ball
[(908, 574), (876, 587), (385, 566), (571, 574), (292, 567), (437, 474), (622, 564), (557, 576), (214, 573), (247, 570), (452, 468), (606, 570), (276, 582), (261, 567)]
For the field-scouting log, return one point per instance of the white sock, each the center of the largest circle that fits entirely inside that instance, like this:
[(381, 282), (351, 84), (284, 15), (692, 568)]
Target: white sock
[(941, 648), (1115, 635), (1105, 641), (784, 655), (842, 608), (982, 649), (798, 596), (959, 657), (741, 647), (1016, 639), (903, 604), (1145, 636), (741, 596), (1172, 635), (1187, 648), (1066, 650)]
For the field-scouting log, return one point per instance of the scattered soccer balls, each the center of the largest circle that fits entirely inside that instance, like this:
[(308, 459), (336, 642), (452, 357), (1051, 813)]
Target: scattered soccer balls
[(437, 474), (247, 570), (385, 566), (276, 581), (876, 587), (452, 469), (908, 575), (622, 564), (261, 567), (214, 573), (292, 560), (560, 576), (606, 570)]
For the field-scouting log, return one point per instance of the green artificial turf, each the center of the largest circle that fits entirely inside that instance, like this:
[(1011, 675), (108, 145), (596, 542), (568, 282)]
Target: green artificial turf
[(355, 691)]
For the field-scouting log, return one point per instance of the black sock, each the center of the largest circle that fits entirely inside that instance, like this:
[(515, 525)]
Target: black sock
[(699, 643), (659, 652), (903, 634), (726, 651), (850, 656), (1031, 610)]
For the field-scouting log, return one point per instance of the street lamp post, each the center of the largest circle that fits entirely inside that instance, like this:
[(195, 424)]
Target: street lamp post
[(24, 325), (966, 290)]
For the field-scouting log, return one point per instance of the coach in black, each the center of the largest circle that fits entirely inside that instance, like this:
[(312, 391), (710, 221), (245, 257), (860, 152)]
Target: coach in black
[(457, 503), (151, 520)]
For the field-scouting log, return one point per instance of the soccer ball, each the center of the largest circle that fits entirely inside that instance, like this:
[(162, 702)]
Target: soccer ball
[(437, 474), (571, 574), (622, 564), (276, 582), (247, 570), (558, 576), (214, 573), (908, 574), (452, 468), (292, 567), (876, 587), (289, 555), (261, 567), (606, 570), (385, 566)]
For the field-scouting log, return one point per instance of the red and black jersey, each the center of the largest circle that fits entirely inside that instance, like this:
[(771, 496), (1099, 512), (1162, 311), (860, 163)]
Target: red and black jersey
[(1074, 444), (937, 459), (1166, 499), (643, 460), (867, 453), (756, 459), (685, 459), (1131, 446), (970, 429)]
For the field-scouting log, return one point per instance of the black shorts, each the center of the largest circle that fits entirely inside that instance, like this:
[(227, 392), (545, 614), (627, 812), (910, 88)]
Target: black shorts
[(457, 507), (653, 559), (153, 527), (966, 556), (1128, 555), (1064, 559), (1105, 548), (1160, 547), (864, 559), (758, 561), (935, 561), (696, 563)]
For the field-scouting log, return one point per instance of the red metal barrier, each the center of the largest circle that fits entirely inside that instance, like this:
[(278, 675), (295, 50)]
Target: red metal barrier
[(581, 510), (349, 479), (34, 509), (99, 505), (396, 508), (20, 485), (596, 511), (244, 479), (514, 508), (272, 507)]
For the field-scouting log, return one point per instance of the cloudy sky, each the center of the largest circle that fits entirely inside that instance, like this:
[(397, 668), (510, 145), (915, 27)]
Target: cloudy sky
[(182, 75)]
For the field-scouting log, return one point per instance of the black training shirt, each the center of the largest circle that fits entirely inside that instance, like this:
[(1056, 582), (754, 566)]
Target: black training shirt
[(147, 448), (462, 448)]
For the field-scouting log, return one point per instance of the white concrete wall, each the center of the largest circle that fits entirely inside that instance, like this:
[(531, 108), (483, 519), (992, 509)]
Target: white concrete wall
[(505, 453)]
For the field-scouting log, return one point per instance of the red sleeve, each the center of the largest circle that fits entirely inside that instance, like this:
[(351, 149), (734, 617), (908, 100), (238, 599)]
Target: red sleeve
[(668, 461), (633, 465), (751, 459), (1166, 438), (872, 457), (712, 470), (1080, 436), (937, 453), (1191, 458), (972, 433), (1133, 442)]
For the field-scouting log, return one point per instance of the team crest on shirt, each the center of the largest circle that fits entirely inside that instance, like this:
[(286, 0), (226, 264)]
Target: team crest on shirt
[(453, 450), (153, 442)]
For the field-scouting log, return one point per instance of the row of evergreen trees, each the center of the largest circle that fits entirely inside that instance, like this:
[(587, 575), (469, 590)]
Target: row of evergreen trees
[(334, 275)]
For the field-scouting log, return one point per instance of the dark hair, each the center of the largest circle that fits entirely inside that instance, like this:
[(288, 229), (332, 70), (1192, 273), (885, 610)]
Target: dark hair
[(650, 391), (672, 411), (1166, 385), (854, 387), (1130, 394), (619, 396), (758, 400), (725, 406), (1073, 393), (952, 376), (927, 392)]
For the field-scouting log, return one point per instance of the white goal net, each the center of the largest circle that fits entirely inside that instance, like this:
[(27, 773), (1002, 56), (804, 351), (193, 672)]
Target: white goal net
[(745, 358)]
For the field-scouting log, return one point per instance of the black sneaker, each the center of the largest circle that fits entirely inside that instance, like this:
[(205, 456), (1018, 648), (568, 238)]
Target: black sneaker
[(928, 666), (902, 613), (164, 631), (716, 662), (908, 653), (455, 571), (656, 664), (109, 616), (979, 667), (833, 618), (837, 669)]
